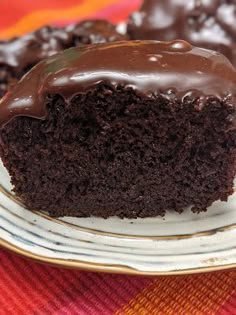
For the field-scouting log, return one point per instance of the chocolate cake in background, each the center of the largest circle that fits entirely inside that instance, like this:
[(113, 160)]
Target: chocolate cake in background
[(20, 54), (205, 23), (129, 129)]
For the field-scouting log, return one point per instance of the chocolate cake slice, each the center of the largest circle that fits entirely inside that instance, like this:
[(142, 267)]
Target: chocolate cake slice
[(20, 54), (128, 128), (208, 24)]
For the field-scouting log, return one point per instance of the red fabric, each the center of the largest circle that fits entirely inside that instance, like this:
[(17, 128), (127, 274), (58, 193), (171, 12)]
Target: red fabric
[(27, 287)]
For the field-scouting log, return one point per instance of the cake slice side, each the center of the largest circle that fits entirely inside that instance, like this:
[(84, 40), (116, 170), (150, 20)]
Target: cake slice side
[(121, 149)]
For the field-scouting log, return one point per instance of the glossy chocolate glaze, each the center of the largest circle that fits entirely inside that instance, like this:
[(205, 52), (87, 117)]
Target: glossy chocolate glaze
[(20, 54), (205, 23), (174, 69)]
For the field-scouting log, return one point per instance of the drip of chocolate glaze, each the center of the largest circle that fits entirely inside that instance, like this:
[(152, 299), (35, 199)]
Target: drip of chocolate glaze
[(149, 67), (204, 23)]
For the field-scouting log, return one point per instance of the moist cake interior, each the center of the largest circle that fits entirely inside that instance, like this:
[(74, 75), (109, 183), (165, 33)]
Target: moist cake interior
[(112, 152)]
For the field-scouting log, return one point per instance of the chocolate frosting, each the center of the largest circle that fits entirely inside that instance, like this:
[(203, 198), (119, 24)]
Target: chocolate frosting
[(205, 23), (150, 67), (94, 32), (20, 54)]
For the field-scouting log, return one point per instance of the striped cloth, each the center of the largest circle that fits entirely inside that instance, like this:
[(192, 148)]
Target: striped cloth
[(27, 287)]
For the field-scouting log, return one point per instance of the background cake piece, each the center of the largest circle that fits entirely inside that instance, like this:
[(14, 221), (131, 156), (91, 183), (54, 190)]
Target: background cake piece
[(130, 129), (20, 54), (208, 24), (94, 32)]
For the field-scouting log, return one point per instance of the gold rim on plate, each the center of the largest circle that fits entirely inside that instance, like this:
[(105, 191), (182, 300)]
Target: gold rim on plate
[(70, 263), (96, 267)]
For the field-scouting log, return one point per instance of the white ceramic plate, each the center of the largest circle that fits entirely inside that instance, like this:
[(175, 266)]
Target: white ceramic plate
[(177, 244)]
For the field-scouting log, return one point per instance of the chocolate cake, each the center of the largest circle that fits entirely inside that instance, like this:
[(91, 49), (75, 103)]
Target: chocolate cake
[(129, 128), (208, 24), (20, 54)]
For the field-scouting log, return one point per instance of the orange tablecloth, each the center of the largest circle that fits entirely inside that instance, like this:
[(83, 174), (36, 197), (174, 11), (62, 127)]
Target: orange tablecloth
[(27, 287)]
